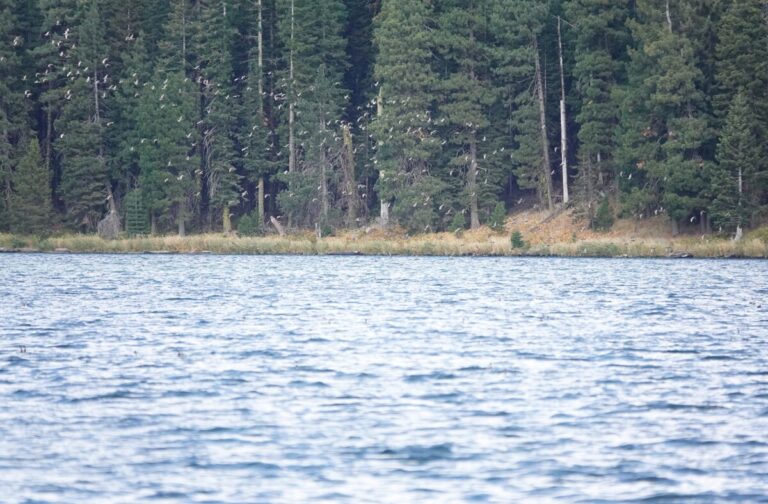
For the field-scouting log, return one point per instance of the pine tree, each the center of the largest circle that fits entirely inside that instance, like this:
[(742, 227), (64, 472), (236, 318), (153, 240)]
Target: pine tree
[(167, 149), (125, 134), (674, 131), (600, 39), (464, 40), (361, 55), (311, 194), (177, 44), (218, 103), (736, 180), (316, 52), (519, 25), (10, 105), (136, 214), (403, 125), (85, 187), (56, 69), (31, 208), (742, 66), (255, 132)]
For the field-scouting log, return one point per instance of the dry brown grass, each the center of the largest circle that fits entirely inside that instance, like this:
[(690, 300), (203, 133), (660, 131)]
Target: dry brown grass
[(561, 235)]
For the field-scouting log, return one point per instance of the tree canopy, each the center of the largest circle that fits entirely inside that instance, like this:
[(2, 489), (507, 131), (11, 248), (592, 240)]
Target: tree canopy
[(189, 115)]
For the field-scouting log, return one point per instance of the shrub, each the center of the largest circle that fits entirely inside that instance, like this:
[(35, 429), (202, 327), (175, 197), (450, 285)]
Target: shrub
[(325, 228), (136, 214), (516, 239), (250, 224), (603, 219), (18, 243), (497, 217), (458, 223), (759, 234)]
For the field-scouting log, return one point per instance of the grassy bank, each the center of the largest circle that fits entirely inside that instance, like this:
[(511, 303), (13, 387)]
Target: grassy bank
[(477, 243)]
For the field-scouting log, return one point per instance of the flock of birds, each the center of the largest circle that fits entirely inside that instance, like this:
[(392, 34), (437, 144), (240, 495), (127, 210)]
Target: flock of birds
[(404, 121)]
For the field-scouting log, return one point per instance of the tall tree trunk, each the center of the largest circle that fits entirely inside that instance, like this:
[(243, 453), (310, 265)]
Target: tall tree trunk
[(261, 101), (291, 117), (6, 178), (261, 200), (563, 117), (111, 199), (97, 120), (291, 112), (474, 218), (226, 220), (183, 35), (48, 133), (350, 183), (384, 214), (546, 163), (323, 185), (384, 210)]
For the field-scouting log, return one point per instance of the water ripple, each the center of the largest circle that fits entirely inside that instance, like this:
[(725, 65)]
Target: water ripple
[(371, 379)]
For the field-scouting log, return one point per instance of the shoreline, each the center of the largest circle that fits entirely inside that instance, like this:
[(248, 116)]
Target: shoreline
[(477, 244)]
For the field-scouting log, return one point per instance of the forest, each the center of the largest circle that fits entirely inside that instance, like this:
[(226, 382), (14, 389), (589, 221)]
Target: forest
[(193, 116)]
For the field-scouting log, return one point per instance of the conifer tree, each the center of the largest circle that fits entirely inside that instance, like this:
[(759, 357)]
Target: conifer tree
[(255, 132), (136, 215), (674, 130), (742, 62), (317, 64), (12, 106), (168, 110), (600, 39), (465, 41), (56, 69), (403, 125), (125, 134), (738, 178), (85, 188), (167, 149), (218, 101), (519, 24), (31, 208)]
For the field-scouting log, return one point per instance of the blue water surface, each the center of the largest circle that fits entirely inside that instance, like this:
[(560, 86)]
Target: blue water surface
[(372, 379)]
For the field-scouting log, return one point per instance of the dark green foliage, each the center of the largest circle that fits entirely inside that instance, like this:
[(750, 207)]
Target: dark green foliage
[(167, 154), (85, 182), (458, 223), (468, 93), (498, 217), (742, 59), (215, 42), (516, 240), (603, 219), (403, 129), (316, 50), (417, 207), (434, 110), (361, 54), (668, 136), (599, 37), (518, 26), (31, 211), (13, 103), (741, 175), (136, 214), (250, 225)]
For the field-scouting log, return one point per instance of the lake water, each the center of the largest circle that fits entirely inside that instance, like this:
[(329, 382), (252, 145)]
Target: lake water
[(371, 379)]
